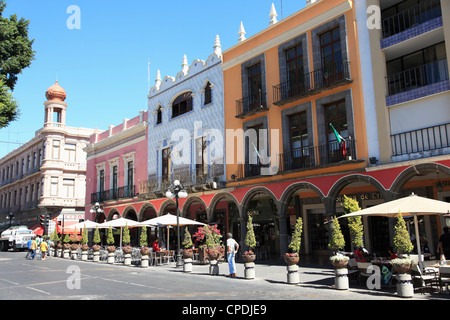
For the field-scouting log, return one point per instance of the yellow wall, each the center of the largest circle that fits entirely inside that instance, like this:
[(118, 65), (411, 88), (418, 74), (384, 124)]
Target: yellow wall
[(267, 39)]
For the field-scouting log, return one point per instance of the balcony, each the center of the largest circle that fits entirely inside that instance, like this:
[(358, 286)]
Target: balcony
[(113, 194), (305, 158), (251, 105), (421, 143), (313, 83), (415, 16), (401, 86)]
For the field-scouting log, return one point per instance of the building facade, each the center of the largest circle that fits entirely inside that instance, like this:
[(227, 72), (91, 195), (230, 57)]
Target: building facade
[(46, 176)]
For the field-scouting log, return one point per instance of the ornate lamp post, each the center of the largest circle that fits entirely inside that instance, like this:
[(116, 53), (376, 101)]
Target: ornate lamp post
[(176, 190), (96, 208), (11, 217)]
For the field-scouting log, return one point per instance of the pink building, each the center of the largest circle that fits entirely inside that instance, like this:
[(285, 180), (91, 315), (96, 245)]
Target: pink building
[(116, 166)]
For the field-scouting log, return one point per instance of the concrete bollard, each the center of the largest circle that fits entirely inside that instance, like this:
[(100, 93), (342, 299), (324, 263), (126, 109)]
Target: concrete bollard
[(341, 278), (213, 267), (293, 276), (405, 287), (111, 258), (249, 271), (144, 261), (187, 265), (127, 259), (96, 256)]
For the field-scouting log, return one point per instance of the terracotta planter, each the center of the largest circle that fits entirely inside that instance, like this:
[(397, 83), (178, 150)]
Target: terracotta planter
[(85, 247), (66, 246), (402, 268), (213, 255), (145, 251), (127, 250), (111, 249), (291, 260), (96, 248), (248, 257), (339, 264), (74, 247), (188, 254)]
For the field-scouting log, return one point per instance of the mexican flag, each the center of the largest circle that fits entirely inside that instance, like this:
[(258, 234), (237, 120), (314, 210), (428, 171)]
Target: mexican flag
[(339, 138)]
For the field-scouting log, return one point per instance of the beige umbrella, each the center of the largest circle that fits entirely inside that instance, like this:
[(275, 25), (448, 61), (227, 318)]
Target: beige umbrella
[(119, 223), (88, 224), (412, 205)]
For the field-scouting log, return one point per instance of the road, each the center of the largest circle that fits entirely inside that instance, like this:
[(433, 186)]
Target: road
[(61, 279)]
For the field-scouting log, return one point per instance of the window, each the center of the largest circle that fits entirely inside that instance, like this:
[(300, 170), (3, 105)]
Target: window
[(130, 169), (208, 94), (330, 48), (182, 104), (68, 188), (255, 151), (70, 150), (165, 163), (298, 129), (54, 186), (56, 144), (200, 156), (254, 86), (101, 181), (159, 115), (114, 185), (295, 71), (336, 115)]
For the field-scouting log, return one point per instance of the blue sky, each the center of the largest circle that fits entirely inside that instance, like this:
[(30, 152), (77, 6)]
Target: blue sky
[(103, 66)]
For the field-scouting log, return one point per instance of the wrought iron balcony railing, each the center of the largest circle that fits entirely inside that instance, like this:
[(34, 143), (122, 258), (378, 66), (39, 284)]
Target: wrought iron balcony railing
[(250, 105)]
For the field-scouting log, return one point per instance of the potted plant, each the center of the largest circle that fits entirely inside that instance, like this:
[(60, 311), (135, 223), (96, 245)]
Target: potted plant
[(66, 253), (74, 246), (145, 251), (54, 241), (96, 248), (339, 261), (292, 258), (111, 248), (402, 264), (212, 241), (250, 240), (188, 253), (84, 245), (354, 223), (127, 249)]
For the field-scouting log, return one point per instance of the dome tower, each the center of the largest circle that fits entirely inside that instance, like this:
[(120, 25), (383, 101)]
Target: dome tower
[(55, 107)]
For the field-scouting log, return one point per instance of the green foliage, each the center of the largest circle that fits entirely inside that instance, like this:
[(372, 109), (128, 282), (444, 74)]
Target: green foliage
[(187, 241), (212, 236), (402, 243), (250, 240), (66, 238), (84, 236), (126, 235), (110, 237), (296, 240), (54, 236), (337, 239), (143, 239), (16, 53), (96, 239), (354, 223)]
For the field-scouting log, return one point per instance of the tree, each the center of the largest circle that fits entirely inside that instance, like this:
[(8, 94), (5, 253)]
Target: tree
[(110, 237), (402, 242), (354, 223), (250, 240), (337, 239), (16, 54), (187, 241), (143, 239), (126, 235), (84, 236), (96, 239), (296, 240)]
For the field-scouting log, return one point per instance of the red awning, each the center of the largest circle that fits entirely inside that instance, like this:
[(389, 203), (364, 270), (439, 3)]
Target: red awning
[(37, 229)]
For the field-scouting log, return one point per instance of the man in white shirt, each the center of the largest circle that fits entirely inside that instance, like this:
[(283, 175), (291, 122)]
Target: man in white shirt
[(232, 247)]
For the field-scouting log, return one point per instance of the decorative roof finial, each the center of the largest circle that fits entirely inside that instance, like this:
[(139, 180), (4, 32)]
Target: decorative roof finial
[(158, 80), (241, 32), (185, 66), (273, 15), (217, 47)]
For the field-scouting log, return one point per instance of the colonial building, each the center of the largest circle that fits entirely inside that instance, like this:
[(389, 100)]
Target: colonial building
[(116, 166), (47, 175)]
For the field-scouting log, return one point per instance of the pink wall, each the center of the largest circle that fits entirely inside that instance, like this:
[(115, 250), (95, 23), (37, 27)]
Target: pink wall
[(140, 162)]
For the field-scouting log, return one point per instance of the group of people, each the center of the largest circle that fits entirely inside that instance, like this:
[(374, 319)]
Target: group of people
[(35, 244)]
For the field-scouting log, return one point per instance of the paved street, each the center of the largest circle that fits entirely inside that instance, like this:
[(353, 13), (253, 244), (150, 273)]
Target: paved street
[(57, 278)]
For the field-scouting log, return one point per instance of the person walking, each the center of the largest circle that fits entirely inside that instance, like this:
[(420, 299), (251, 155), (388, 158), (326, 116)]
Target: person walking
[(33, 248), (30, 251), (232, 248), (44, 249)]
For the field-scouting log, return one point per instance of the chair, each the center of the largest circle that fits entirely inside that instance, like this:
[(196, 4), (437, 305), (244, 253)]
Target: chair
[(362, 269), (168, 256), (118, 256), (444, 277), (425, 279)]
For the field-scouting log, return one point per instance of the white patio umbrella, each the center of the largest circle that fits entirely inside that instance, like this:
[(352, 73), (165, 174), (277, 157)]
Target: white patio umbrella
[(88, 224), (119, 223), (169, 220), (412, 205)]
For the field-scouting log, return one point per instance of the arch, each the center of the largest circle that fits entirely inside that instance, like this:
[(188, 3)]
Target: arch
[(412, 171), (111, 213), (144, 208), (189, 201), (128, 210), (344, 181), (164, 205), (254, 191), (220, 196)]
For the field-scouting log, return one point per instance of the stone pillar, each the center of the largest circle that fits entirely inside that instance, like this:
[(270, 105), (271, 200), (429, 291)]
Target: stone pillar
[(293, 276), (405, 287), (249, 271), (341, 278)]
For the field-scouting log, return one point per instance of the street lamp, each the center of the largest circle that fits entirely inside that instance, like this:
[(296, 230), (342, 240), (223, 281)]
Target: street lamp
[(96, 209), (10, 217), (176, 190)]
